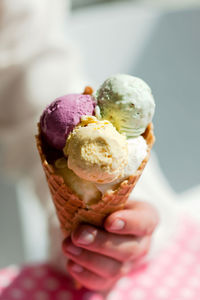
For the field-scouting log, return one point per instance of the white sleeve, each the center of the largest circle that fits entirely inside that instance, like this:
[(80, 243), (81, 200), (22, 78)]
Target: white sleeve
[(154, 188), (37, 63)]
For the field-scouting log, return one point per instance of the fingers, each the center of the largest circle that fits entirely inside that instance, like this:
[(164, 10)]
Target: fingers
[(119, 247), (139, 218), (88, 279), (100, 265), (98, 257)]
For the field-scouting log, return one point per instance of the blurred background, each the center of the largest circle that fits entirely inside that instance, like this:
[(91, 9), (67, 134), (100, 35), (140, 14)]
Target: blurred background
[(158, 41)]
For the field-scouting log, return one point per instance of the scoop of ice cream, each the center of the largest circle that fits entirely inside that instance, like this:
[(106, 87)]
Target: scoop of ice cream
[(62, 115), (137, 151), (96, 151), (127, 102), (86, 190)]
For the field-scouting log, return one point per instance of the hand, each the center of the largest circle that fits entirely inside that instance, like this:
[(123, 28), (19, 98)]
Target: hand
[(97, 257)]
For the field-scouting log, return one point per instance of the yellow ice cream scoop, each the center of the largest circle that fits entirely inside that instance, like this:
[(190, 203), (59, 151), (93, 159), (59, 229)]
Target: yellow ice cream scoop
[(96, 151), (86, 190)]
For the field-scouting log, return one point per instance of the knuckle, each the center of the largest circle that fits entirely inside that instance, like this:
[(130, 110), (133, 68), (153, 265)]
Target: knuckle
[(113, 271), (151, 228), (145, 230), (130, 254), (137, 249), (146, 247), (143, 248)]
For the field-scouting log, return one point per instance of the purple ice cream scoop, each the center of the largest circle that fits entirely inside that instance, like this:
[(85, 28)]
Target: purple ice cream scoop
[(62, 115)]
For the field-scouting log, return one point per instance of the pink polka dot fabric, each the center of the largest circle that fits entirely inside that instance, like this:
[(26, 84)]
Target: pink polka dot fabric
[(173, 275)]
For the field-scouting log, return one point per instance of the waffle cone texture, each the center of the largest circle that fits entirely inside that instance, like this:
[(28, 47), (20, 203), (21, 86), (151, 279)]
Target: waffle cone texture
[(71, 210)]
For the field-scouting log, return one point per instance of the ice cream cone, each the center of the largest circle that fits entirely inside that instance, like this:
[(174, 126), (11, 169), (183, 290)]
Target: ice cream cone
[(70, 209)]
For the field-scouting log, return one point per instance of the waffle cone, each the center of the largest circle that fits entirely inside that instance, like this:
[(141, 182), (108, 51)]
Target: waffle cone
[(71, 210)]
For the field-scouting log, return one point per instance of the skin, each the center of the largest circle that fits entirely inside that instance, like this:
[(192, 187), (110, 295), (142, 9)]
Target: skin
[(98, 257)]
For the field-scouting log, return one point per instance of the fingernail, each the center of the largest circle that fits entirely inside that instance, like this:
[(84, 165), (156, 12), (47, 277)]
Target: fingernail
[(117, 225), (86, 238), (77, 268), (73, 250)]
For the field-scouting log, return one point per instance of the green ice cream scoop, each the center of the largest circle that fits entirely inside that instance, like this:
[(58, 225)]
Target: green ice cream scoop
[(126, 102)]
